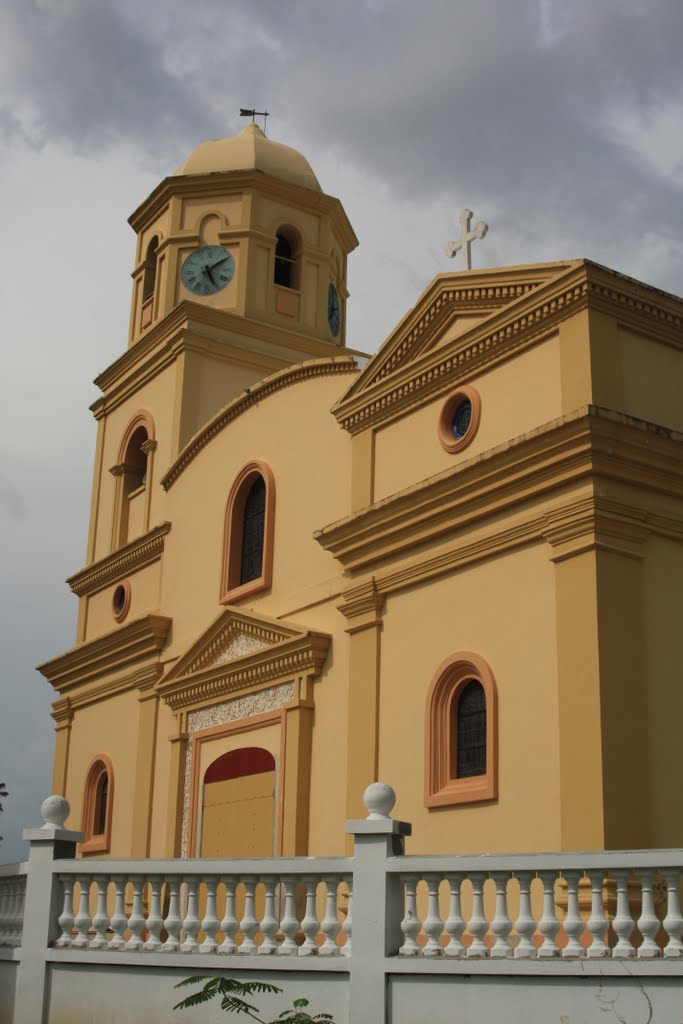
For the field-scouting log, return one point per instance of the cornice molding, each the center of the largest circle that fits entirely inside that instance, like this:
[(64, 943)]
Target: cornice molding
[(138, 641), (588, 444), (133, 556), (377, 397), (253, 396), (226, 182)]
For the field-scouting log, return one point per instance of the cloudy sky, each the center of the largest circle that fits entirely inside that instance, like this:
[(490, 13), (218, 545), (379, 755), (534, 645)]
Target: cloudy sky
[(557, 122)]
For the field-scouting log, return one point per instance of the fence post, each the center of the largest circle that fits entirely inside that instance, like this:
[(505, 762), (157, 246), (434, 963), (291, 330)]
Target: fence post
[(377, 903), (42, 907)]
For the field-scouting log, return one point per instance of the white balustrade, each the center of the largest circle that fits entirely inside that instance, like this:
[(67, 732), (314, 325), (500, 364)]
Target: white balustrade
[(12, 892), (452, 907)]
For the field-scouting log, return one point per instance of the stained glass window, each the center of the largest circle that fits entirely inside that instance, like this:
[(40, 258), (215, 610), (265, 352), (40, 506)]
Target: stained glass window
[(253, 532)]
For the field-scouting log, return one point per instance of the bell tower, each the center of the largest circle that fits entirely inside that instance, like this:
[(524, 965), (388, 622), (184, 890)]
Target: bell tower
[(244, 229)]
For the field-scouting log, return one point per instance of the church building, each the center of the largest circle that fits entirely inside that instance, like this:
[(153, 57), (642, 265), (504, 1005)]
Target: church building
[(456, 567)]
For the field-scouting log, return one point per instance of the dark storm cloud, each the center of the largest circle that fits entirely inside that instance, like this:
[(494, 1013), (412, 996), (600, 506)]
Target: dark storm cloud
[(515, 104)]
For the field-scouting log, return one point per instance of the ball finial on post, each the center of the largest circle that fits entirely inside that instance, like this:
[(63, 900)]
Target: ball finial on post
[(55, 810), (379, 799)]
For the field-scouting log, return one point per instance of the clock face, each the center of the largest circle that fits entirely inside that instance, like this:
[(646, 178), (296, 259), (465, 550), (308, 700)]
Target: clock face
[(333, 309), (207, 270)]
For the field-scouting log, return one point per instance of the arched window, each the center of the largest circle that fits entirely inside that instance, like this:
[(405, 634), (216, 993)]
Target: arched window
[(97, 805), (248, 540), (150, 272), (461, 755), (287, 258), (132, 471)]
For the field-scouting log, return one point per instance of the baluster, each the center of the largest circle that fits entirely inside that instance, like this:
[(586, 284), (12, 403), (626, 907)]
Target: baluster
[(432, 925), (478, 925), (269, 921), (623, 923), (100, 921), (330, 923), (249, 922), (289, 923), (525, 924), (573, 922), (501, 926), (648, 922), (4, 914), (191, 922), (410, 925), (229, 923), (597, 923), (673, 922), (173, 922), (16, 922), (82, 919), (455, 922), (347, 926), (210, 920), (66, 918), (155, 921), (136, 921), (548, 926), (119, 921), (309, 926)]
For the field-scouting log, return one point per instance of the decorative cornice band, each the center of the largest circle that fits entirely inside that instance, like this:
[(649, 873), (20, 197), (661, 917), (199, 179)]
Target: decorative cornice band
[(137, 641), (486, 347), (532, 313), (252, 396), (140, 552), (590, 444)]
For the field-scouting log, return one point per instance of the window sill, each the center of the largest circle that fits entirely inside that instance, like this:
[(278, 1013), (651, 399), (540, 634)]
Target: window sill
[(245, 590), (96, 844), (478, 789)]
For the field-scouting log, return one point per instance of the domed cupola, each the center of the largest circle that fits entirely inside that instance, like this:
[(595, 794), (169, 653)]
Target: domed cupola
[(243, 227), (251, 150)]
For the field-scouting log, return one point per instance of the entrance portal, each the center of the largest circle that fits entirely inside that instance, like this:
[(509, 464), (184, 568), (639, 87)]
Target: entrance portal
[(238, 805)]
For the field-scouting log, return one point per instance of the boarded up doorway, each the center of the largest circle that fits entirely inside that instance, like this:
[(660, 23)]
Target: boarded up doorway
[(238, 805)]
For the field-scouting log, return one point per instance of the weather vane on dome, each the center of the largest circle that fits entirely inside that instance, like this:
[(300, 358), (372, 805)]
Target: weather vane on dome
[(466, 238), (253, 114)]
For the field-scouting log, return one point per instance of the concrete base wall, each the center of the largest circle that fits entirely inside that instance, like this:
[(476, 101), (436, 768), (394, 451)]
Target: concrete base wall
[(523, 1000), (80, 994), (8, 984)]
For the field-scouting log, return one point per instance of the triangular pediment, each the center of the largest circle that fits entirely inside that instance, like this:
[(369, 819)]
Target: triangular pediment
[(451, 307), (241, 650)]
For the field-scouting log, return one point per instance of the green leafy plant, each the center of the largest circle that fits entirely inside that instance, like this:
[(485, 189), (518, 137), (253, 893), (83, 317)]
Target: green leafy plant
[(232, 994)]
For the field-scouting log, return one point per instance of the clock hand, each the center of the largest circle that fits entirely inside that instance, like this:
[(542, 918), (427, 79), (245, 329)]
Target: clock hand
[(214, 265), (208, 271)]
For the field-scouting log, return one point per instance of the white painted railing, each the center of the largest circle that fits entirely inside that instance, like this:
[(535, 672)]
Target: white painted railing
[(296, 907), (12, 894), (617, 904)]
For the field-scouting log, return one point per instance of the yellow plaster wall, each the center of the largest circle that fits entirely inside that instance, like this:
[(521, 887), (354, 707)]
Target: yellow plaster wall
[(516, 397), (651, 374), (106, 727), (278, 432), (157, 397), (144, 598), (663, 573), (503, 610), (228, 207)]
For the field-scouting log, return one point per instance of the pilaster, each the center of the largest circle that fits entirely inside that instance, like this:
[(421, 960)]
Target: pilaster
[(148, 703), (363, 608), (297, 766), (174, 816)]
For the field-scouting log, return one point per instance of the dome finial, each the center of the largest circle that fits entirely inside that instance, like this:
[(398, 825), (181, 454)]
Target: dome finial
[(253, 114)]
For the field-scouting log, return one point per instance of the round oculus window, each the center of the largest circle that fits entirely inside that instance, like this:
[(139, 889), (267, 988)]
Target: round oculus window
[(462, 418), (459, 419), (121, 601)]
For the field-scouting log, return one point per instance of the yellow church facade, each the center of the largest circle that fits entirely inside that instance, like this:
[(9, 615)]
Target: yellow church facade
[(455, 568)]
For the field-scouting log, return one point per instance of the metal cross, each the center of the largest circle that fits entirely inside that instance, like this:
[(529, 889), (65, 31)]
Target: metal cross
[(466, 238), (253, 114)]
